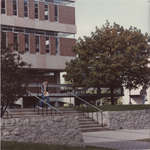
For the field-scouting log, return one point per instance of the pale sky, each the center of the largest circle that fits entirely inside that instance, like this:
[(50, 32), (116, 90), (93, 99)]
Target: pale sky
[(91, 13)]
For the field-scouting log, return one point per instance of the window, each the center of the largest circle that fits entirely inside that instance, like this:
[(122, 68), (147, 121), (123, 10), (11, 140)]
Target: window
[(3, 6), (57, 1), (15, 41), (56, 13), (57, 46), (46, 12), (26, 42), (37, 43), (25, 8), (15, 7), (36, 9), (49, 0), (3, 41), (47, 45)]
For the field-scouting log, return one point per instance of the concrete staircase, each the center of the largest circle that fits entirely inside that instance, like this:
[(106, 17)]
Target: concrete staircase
[(86, 124)]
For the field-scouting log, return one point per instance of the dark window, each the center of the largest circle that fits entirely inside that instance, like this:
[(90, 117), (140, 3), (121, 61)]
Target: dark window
[(6, 28), (47, 45), (17, 29), (57, 1), (57, 46), (37, 43), (26, 42), (49, 0), (56, 13), (3, 40), (46, 12), (15, 41), (25, 8), (15, 7), (3, 6), (36, 9)]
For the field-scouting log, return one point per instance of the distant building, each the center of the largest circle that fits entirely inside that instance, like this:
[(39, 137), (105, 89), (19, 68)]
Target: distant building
[(43, 31)]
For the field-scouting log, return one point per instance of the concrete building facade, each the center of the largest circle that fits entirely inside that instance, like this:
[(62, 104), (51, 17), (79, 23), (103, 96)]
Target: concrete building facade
[(43, 31)]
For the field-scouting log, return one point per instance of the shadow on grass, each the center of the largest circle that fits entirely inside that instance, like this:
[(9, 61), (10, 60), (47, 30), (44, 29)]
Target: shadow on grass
[(32, 146)]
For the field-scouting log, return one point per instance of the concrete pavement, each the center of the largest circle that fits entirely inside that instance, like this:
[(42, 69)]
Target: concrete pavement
[(120, 139)]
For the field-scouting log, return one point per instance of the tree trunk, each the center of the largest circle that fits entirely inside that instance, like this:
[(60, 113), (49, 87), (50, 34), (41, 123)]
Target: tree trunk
[(112, 96), (99, 93), (130, 97), (3, 109)]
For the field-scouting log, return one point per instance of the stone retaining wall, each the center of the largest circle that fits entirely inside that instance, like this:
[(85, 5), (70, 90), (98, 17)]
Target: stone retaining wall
[(139, 119), (61, 130)]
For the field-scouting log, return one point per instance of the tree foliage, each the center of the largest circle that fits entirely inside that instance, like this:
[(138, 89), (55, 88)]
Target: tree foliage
[(112, 56), (13, 77)]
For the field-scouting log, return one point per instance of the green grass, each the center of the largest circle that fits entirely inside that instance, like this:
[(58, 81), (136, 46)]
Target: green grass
[(117, 108), (30, 146), (145, 140)]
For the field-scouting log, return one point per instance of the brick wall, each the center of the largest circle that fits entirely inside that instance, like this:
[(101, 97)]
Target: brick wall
[(32, 43), (42, 45), (66, 46), (9, 7), (41, 10), (66, 15), (51, 12), (53, 45), (10, 39), (31, 9), (21, 8), (21, 42)]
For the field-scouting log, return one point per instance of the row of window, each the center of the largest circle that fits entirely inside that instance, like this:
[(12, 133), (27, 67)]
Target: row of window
[(6, 28), (26, 9), (27, 43)]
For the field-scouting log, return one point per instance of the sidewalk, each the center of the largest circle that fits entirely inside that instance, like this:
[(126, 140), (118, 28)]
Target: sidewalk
[(119, 139)]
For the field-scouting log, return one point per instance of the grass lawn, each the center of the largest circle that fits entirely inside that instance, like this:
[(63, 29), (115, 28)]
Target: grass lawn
[(145, 140), (31, 146), (124, 107), (117, 108)]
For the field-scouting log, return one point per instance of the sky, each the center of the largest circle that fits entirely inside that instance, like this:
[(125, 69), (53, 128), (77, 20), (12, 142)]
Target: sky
[(92, 13)]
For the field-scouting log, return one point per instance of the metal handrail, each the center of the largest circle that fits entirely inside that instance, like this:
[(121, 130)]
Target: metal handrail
[(45, 103), (87, 102), (101, 111), (8, 113)]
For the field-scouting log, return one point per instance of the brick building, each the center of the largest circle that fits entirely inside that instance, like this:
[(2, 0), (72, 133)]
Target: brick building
[(43, 31)]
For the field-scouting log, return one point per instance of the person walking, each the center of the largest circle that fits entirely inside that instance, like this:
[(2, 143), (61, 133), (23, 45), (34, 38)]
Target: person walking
[(45, 94)]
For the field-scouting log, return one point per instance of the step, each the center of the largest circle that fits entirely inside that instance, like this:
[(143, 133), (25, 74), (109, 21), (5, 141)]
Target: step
[(89, 126), (21, 110), (93, 129), (84, 119), (87, 122), (31, 115)]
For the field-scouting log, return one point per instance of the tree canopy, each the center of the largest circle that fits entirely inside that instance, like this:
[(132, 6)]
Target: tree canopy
[(112, 56), (13, 77)]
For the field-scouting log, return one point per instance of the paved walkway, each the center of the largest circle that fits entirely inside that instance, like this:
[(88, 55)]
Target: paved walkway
[(119, 139)]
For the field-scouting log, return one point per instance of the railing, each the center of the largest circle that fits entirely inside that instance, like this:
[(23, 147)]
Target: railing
[(46, 109), (7, 114), (86, 111), (70, 92)]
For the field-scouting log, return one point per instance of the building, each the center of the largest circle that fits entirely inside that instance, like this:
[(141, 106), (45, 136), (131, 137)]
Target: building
[(43, 31)]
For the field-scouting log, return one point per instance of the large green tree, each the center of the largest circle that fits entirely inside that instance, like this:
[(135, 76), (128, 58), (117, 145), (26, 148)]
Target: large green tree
[(112, 57), (14, 77)]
